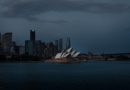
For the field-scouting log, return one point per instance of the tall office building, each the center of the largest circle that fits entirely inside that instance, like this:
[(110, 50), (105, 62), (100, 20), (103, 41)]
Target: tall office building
[(38, 48), (56, 45), (29, 47), (7, 42), (60, 44), (32, 35), (0, 37), (0, 45), (0, 41), (33, 47), (68, 43), (50, 50), (7, 37), (30, 44)]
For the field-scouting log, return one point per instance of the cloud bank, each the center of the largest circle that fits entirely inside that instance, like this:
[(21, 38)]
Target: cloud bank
[(28, 9)]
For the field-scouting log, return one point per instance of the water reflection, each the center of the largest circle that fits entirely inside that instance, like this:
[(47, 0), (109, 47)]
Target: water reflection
[(41, 76)]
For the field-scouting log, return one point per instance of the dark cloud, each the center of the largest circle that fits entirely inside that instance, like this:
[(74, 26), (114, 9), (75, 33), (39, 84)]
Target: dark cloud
[(35, 19), (93, 25), (27, 9)]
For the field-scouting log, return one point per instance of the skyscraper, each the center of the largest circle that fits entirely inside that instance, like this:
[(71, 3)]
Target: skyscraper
[(0, 37), (56, 45), (68, 43), (32, 35), (7, 37), (60, 44), (0, 45), (29, 47), (33, 47), (7, 42), (30, 44), (0, 40), (38, 48)]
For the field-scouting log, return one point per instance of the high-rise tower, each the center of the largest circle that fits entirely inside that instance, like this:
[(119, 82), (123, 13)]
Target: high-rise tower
[(7, 42), (68, 43), (0, 36), (60, 44), (32, 35), (0, 39)]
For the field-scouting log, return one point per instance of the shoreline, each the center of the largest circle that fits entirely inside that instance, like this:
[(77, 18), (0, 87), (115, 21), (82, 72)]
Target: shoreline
[(80, 61)]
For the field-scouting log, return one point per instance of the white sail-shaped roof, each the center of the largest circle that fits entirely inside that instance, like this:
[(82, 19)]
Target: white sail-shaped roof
[(69, 50), (66, 53), (76, 54), (63, 55), (73, 52), (58, 55)]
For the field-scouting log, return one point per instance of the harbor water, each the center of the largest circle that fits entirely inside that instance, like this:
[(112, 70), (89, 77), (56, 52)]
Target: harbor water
[(94, 75)]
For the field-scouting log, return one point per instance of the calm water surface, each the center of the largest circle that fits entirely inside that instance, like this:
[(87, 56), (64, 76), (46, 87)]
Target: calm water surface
[(84, 76)]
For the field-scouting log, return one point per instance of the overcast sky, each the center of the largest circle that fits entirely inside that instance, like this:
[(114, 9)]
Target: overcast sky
[(93, 25)]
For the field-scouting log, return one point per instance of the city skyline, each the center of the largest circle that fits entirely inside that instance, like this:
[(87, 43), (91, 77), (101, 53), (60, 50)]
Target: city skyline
[(65, 44), (94, 26), (32, 46), (53, 40)]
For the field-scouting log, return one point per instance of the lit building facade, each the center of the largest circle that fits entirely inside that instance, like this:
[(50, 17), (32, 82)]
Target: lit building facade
[(7, 42)]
